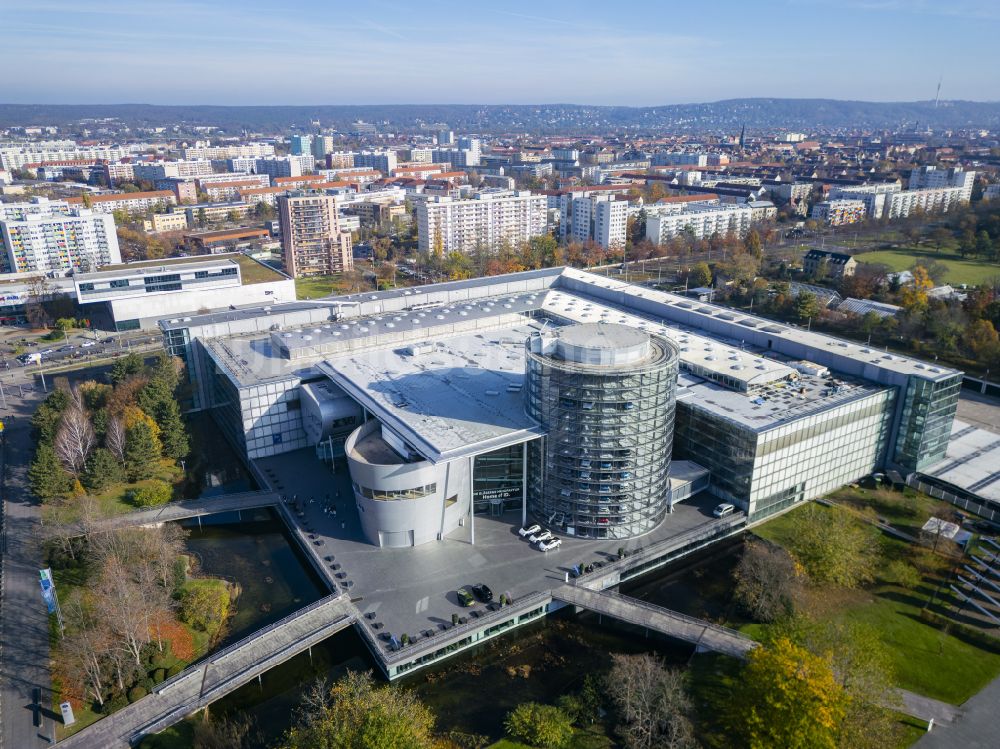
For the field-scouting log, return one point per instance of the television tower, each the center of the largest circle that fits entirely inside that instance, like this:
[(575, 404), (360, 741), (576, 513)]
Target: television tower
[(937, 94)]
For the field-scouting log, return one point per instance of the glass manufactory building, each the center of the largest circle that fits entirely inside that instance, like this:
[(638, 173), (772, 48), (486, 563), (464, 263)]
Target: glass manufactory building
[(590, 405), (604, 393)]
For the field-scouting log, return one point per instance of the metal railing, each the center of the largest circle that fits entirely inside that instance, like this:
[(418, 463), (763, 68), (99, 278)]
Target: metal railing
[(981, 506)]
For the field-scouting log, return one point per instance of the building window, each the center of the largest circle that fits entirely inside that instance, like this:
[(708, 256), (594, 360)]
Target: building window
[(119, 283)]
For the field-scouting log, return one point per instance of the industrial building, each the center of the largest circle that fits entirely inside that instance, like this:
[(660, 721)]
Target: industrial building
[(592, 404)]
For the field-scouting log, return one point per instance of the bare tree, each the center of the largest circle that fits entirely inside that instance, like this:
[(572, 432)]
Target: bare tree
[(652, 703), (766, 581), (122, 601), (114, 438), (85, 650), (74, 439)]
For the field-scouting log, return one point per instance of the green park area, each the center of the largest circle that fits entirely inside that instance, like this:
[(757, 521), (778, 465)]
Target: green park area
[(960, 270), (314, 287)]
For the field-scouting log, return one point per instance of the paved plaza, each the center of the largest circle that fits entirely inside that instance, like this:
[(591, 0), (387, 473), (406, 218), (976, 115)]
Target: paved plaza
[(412, 590)]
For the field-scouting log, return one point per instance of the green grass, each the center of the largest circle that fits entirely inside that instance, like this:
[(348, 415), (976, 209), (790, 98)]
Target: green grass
[(906, 511), (178, 736), (253, 272), (583, 738), (971, 272), (927, 661), (312, 287), (115, 501)]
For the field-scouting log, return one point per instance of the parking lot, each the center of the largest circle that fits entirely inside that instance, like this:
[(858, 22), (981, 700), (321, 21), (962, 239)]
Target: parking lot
[(414, 590)]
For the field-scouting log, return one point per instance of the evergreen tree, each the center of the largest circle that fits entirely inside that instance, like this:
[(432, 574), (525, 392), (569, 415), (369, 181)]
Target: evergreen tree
[(45, 421), (102, 470), (172, 433), (126, 367), (46, 474), (142, 451)]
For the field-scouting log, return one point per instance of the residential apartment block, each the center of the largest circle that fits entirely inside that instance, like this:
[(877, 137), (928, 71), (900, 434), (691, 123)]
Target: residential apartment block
[(600, 218), (929, 177), (487, 220), (311, 237), (130, 202), (56, 237), (839, 212), (700, 219), (155, 170), (243, 151)]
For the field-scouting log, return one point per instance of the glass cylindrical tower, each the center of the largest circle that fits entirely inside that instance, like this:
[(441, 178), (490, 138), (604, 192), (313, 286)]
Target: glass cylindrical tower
[(605, 394)]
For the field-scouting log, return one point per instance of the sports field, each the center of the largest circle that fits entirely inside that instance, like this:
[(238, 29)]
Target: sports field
[(971, 272)]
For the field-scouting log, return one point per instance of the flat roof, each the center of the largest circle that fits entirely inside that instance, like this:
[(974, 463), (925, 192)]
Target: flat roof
[(461, 397), (971, 462), (251, 271)]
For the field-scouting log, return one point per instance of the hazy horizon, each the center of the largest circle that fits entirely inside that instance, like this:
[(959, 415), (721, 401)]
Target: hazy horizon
[(648, 54)]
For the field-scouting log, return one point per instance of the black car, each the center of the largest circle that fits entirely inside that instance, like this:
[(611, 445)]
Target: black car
[(483, 593)]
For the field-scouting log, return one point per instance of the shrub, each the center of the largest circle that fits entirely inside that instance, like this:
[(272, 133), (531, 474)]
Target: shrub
[(205, 607), (901, 573), (154, 493), (136, 693), (159, 675), (544, 726)]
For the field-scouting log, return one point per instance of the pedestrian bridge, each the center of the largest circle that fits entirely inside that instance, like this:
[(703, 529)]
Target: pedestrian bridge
[(704, 635), (219, 674)]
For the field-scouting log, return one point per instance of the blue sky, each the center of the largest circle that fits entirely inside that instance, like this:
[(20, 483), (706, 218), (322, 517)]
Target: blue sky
[(507, 51)]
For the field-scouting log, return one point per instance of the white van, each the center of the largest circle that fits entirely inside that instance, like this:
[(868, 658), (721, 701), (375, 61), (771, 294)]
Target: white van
[(724, 509)]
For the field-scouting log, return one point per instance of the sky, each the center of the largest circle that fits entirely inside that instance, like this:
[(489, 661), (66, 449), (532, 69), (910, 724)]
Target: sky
[(636, 53)]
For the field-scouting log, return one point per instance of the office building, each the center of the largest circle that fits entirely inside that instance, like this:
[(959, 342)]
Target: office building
[(487, 220), (300, 145), (446, 138), (55, 237), (311, 238), (522, 390), (137, 295)]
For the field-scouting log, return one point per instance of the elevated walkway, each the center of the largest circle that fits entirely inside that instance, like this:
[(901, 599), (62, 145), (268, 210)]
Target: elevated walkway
[(704, 635), (187, 509), (221, 673)]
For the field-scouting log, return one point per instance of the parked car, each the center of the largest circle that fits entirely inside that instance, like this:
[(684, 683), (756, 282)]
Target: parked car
[(483, 593), (724, 509), (529, 530), (47, 351), (67, 347), (88, 344), (543, 536), (549, 544), (465, 597), (109, 339)]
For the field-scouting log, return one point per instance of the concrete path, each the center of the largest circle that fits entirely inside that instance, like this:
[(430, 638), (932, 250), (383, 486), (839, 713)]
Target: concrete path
[(696, 631), (219, 674), (975, 727), (24, 622), (925, 708)]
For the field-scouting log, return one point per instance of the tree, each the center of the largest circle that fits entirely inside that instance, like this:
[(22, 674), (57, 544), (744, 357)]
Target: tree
[(806, 306), (357, 713), (142, 451), (102, 470), (834, 548), (47, 417), (754, 245), (205, 607), (539, 725), (700, 275), (789, 698), (152, 495), (766, 581), (127, 366), (651, 702), (74, 439), (984, 247), (115, 439), (47, 477)]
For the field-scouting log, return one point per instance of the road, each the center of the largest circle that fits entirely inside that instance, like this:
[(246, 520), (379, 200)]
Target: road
[(24, 624)]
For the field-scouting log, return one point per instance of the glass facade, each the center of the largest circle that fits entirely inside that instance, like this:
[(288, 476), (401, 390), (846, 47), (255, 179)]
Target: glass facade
[(498, 480), (925, 424), (602, 469), (767, 471)]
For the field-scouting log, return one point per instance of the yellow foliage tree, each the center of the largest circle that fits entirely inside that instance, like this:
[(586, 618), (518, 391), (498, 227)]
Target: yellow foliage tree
[(132, 415), (790, 699), (914, 295)]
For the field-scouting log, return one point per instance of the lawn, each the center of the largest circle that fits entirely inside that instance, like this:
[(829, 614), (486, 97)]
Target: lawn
[(927, 660), (313, 287), (906, 511), (971, 272)]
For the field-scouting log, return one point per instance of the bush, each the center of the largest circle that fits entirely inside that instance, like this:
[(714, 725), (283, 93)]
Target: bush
[(153, 494), (205, 607), (136, 693), (544, 726), (901, 573), (159, 675), (114, 704)]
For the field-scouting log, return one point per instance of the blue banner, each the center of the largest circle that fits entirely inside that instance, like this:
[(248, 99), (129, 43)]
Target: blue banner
[(48, 589)]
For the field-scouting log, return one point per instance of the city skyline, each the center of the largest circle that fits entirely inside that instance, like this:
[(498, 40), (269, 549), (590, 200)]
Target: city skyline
[(587, 53)]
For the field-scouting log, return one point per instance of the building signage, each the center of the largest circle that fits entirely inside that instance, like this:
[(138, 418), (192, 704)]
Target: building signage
[(493, 495), (67, 713)]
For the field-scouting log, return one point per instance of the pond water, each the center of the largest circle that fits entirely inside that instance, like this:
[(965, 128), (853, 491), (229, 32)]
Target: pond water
[(213, 466), (258, 553)]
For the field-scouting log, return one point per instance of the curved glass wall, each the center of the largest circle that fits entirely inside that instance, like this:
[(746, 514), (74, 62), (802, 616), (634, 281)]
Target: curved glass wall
[(602, 469)]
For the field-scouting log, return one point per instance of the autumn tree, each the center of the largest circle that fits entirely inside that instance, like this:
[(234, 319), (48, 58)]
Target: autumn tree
[(700, 275), (356, 712), (832, 547), (789, 698), (651, 702), (74, 439), (544, 726), (766, 581)]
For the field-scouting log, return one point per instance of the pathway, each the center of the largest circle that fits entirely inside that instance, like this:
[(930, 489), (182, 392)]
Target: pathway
[(976, 727), (696, 631), (221, 673)]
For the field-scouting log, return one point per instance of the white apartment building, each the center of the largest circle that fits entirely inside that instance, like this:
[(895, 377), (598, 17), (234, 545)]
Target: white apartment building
[(383, 161), (17, 156), (420, 155), (244, 151), (162, 169), (873, 196), (941, 199), (261, 180), (839, 212), (130, 202), (600, 218), (285, 166), (930, 177), (54, 237), (702, 220), (116, 171), (565, 201), (679, 158), (240, 164), (487, 220), (321, 146)]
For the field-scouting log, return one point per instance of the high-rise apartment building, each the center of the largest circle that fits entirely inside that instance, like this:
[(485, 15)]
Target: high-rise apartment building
[(600, 218), (383, 161), (321, 146), (285, 166), (56, 237), (311, 237), (486, 221), (301, 144), (930, 177)]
